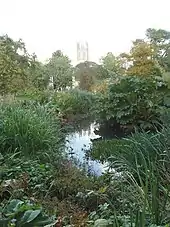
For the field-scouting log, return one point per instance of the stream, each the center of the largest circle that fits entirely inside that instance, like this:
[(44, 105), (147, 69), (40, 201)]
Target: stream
[(78, 141)]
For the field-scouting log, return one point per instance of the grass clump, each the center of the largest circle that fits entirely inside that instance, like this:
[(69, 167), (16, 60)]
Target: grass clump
[(140, 179), (28, 128)]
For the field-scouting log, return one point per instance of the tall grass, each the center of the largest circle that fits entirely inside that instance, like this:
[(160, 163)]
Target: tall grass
[(28, 128), (143, 162)]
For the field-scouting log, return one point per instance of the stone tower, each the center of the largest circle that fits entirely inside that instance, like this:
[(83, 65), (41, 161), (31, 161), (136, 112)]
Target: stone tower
[(82, 52)]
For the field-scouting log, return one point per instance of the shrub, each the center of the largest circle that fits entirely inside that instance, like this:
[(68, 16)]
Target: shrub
[(25, 177), (132, 100), (39, 96), (30, 129), (73, 102)]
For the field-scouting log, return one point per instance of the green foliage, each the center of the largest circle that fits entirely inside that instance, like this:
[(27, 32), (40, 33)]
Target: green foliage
[(103, 149), (105, 217), (69, 180), (28, 177), (73, 102), (14, 65), (18, 69), (135, 190), (65, 104), (132, 100), (23, 214), (86, 74), (60, 70), (39, 76), (160, 41), (57, 177), (141, 163), (29, 129), (34, 95), (114, 65)]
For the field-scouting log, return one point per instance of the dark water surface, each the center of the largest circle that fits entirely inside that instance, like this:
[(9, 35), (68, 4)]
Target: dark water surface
[(78, 141)]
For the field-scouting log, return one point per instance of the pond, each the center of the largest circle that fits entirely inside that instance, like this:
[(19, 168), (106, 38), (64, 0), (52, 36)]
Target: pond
[(79, 141)]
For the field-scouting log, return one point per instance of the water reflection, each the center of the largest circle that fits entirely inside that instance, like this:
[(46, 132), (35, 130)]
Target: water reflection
[(79, 141)]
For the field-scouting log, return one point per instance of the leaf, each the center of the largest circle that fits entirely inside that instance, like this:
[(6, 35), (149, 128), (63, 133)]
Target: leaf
[(33, 215), (30, 215), (14, 205), (41, 221), (101, 223), (102, 189)]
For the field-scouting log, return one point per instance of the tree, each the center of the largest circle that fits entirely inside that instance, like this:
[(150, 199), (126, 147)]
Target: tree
[(160, 41), (59, 68), (39, 75), (86, 74), (15, 63), (140, 59), (114, 65)]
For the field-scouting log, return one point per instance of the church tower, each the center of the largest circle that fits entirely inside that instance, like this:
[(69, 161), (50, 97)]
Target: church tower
[(82, 52)]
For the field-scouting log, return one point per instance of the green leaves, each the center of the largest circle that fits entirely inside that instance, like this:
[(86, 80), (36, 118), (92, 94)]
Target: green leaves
[(24, 215), (14, 65), (29, 129), (74, 102), (30, 215), (14, 206), (113, 64), (60, 70), (132, 100)]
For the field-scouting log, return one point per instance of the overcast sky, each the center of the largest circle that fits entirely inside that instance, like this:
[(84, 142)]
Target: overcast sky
[(107, 25)]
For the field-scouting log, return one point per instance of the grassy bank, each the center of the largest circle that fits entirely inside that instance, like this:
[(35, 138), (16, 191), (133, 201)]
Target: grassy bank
[(35, 168), (70, 105)]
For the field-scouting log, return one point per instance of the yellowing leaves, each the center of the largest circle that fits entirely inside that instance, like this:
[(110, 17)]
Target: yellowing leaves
[(100, 87), (141, 60)]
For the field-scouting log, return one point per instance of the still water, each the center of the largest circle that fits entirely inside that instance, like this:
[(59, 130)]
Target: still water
[(78, 141)]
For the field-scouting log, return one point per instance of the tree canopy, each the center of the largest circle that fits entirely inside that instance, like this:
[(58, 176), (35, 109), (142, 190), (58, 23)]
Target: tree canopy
[(20, 70), (60, 70), (140, 59), (114, 65), (15, 64)]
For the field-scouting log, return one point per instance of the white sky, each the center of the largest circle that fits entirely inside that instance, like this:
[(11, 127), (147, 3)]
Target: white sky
[(108, 25)]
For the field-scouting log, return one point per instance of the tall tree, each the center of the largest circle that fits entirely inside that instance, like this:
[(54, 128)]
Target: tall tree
[(39, 75), (140, 59), (160, 41), (88, 73), (15, 63), (114, 65), (59, 68)]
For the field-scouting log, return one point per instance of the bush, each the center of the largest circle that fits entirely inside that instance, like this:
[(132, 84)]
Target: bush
[(131, 101), (25, 177), (30, 129), (39, 96), (73, 102)]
